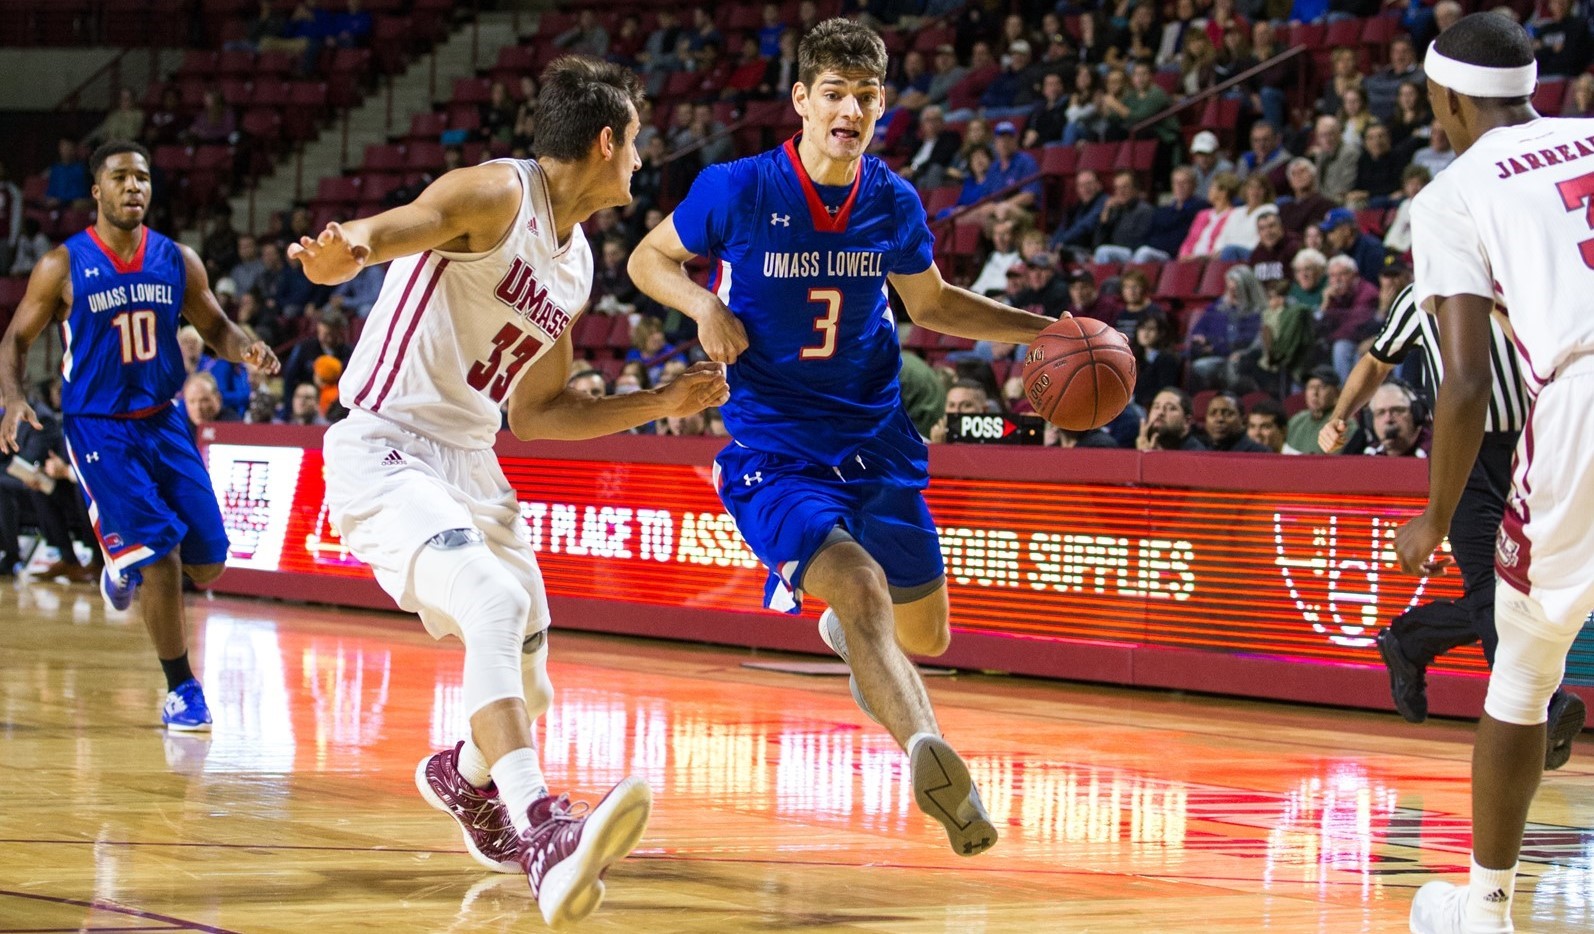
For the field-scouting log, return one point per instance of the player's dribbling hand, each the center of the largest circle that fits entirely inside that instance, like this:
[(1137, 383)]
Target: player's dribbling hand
[(701, 386), (722, 336), (1415, 543), (12, 422), (260, 356), (329, 259), (1331, 437)]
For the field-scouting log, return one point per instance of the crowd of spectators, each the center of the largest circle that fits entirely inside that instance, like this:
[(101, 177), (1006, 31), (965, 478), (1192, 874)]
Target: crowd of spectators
[(1307, 195)]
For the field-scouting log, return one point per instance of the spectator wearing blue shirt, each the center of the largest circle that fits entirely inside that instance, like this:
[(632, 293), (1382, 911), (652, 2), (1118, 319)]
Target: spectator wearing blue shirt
[(69, 178), (1010, 168), (356, 296), (1342, 236), (353, 28), (769, 34), (1308, 11), (1077, 231), (977, 183), (1170, 222), (1008, 90)]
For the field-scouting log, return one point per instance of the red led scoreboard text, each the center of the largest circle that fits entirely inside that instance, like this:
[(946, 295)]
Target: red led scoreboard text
[(1282, 574)]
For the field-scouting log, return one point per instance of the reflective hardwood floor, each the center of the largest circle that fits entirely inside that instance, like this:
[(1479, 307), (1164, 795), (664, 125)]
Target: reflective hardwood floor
[(778, 806)]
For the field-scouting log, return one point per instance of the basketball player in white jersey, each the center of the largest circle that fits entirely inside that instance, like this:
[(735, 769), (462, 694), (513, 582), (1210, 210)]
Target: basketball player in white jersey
[(1509, 224), (489, 268)]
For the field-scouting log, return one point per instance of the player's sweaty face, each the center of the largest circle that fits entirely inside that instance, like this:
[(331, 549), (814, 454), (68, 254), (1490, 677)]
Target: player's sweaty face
[(122, 189), (841, 111)]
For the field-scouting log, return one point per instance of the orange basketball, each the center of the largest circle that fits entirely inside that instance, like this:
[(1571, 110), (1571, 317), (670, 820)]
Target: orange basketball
[(1079, 374)]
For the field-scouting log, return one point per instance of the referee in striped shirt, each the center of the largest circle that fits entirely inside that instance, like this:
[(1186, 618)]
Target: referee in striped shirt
[(1423, 633)]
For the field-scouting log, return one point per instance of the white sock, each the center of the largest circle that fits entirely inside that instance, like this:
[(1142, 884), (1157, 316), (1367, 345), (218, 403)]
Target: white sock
[(1489, 896), (473, 766), (918, 738), (520, 782)]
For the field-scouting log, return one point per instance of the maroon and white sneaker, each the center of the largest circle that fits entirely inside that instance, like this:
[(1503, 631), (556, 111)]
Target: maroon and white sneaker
[(566, 852), (490, 836)]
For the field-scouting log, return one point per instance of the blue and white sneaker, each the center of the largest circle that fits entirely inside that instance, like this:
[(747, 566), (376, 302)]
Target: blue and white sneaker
[(185, 709), (118, 589)]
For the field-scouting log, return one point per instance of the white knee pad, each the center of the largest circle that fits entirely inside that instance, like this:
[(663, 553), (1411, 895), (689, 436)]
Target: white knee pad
[(1530, 661), (465, 581), (534, 672)]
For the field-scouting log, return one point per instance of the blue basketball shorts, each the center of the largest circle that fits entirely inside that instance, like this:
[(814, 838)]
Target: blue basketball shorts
[(147, 488), (786, 508)]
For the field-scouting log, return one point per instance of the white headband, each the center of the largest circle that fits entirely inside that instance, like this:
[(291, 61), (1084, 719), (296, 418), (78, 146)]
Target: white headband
[(1479, 81)]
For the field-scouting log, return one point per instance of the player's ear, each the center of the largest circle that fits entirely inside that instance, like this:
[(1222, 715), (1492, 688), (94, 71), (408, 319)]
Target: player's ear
[(606, 143), (799, 98)]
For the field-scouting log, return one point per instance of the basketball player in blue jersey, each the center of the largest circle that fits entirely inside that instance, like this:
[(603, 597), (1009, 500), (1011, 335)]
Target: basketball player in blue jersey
[(825, 473), (118, 291)]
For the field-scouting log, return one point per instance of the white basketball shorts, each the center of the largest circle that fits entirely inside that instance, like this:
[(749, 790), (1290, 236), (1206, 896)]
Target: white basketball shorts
[(389, 491), (1547, 537)]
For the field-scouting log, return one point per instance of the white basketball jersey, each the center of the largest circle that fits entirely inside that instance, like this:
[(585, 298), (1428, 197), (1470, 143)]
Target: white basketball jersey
[(452, 333), (1513, 218)]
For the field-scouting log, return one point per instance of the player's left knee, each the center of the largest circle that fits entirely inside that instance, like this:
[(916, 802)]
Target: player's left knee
[(1530, 660), (931, 641), (203, 574)]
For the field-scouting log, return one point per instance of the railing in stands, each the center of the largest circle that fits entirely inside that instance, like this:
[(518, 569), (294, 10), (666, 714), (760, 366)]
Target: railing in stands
[(109, 74), (1207, 94)]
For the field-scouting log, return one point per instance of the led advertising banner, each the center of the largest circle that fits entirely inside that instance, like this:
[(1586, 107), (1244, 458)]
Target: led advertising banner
[(1283, 575)]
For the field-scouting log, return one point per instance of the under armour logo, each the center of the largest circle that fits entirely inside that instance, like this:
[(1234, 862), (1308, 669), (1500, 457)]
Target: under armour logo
[(91, 272), (393, 459), (93, 457), (783, 220), (748, 479)]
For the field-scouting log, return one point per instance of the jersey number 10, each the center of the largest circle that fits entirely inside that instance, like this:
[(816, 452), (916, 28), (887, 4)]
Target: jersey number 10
[(138, 334)]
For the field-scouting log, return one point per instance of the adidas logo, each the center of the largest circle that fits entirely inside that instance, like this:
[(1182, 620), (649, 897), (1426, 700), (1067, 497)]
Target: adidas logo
[(1496, 897), (393, 459)]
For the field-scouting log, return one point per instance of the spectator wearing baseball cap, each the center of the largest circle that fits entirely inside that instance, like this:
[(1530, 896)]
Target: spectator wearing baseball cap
[(1206, 160), (1342, 237), (1044, 291), (1013, 87), (1086, 301), (1011, 167)]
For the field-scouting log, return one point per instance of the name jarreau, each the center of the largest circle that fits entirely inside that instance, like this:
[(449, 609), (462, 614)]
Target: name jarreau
[(139, 293), (826, 263), (520, 290)]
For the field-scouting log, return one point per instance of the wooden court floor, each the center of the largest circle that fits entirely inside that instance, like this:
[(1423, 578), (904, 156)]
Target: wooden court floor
[(777, 808)]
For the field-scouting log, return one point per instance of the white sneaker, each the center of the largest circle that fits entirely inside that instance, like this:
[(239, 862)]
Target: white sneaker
[(1441, 908), (830, 630)]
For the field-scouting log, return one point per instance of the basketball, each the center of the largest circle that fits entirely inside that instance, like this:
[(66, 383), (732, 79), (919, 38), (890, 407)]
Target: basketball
[(1079, 374)]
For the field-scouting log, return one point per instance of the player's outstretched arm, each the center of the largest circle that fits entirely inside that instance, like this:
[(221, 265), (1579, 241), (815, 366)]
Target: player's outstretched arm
[(1365, 378), (38, 308), (934, 303), (542, 408), (467, 210), (657, 267), (1459, 415), (204, 313)]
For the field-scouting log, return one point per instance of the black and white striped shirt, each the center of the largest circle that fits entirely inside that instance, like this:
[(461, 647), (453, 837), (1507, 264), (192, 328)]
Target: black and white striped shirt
[(1408, 328)]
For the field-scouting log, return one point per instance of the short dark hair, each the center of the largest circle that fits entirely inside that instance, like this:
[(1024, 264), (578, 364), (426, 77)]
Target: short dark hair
[(973, 384), (1185, 402), (840, 45), (1271, 409), (1325, 375), (107, 150), (580, 96), (1233, 397), (1488, 40)]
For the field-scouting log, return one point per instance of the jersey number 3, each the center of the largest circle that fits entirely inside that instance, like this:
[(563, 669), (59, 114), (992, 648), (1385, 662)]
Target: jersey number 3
[(494, 374), (1579, 193), (138, 334), (825, 324)]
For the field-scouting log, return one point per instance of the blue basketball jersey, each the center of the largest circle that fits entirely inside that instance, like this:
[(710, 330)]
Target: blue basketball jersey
[(119, 342), (807, 279)]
